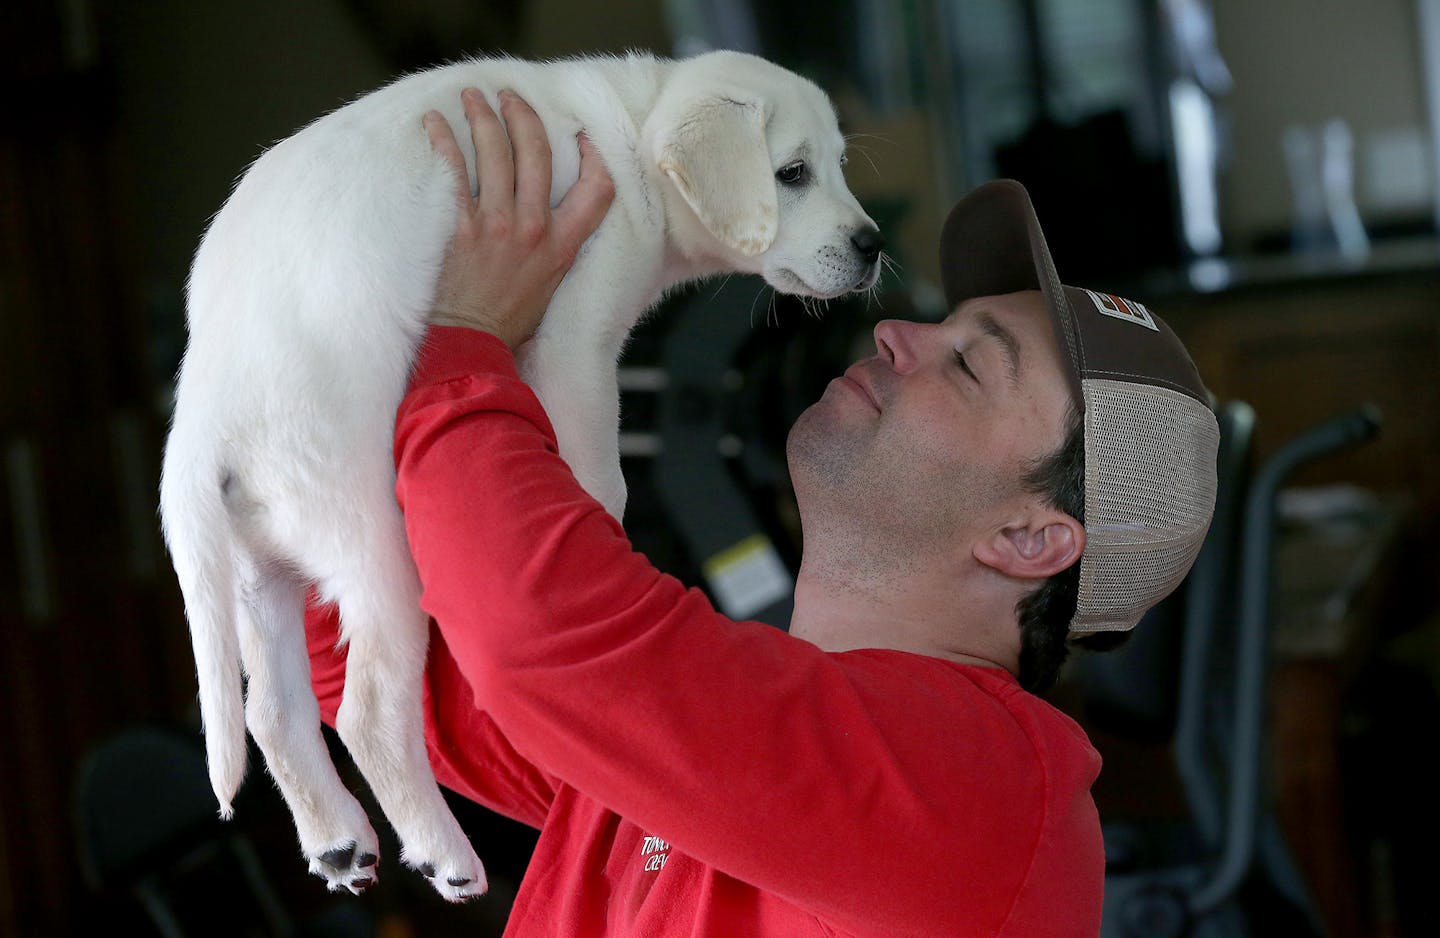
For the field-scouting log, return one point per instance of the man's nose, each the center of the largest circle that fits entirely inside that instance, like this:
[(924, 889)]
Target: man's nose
[(894, 341)]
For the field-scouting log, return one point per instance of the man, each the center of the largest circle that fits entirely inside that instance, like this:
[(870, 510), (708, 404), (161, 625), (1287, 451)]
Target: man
[(880, 769)]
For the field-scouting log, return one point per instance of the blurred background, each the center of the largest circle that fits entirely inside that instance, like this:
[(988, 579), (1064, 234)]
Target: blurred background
[(1264, 175)]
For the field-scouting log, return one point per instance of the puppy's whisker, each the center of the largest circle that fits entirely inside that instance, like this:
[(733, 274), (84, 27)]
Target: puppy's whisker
[(890, 264), (863, 151), (724, 281), (753, 301), (872, 295), (857, 136)]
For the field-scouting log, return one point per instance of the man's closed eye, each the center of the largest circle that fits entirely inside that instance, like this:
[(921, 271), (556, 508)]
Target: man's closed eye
[(965, 366)]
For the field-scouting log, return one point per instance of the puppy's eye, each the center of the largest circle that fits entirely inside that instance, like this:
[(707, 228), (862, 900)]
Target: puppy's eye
[(794, 174), (844, 158)]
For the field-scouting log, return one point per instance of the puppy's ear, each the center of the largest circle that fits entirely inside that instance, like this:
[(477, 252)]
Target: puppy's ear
[(714, 150)]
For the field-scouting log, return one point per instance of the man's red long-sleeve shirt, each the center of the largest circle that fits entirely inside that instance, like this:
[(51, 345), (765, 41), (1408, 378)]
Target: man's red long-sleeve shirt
[(692, 775)]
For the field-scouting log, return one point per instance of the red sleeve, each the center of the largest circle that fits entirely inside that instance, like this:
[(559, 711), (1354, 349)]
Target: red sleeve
[(468, 753), (867, 786)]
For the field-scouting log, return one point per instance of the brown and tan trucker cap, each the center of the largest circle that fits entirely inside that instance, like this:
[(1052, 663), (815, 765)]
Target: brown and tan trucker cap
[(1150, 435)]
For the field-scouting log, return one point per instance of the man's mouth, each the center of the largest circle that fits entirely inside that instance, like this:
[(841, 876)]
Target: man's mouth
[(859, 387)]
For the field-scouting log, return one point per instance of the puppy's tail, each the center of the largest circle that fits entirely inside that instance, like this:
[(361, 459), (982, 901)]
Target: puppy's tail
[(202, 543)]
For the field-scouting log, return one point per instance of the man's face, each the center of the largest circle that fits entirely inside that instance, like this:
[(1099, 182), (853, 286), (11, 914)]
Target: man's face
[(931, 437)]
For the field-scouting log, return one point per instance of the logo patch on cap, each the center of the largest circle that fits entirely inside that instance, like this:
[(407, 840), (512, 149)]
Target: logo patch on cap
[(1118, 307)]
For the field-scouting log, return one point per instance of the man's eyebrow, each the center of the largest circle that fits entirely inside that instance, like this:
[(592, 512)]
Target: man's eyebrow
[(1007, 342)]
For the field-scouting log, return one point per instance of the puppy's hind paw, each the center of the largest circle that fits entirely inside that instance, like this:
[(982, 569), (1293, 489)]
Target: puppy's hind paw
[(347, 867), (454, 882)]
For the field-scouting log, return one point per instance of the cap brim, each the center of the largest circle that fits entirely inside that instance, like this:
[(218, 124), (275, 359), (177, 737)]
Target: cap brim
[(991, 245)]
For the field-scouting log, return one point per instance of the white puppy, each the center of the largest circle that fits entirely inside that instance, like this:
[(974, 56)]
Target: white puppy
[(307, 301)]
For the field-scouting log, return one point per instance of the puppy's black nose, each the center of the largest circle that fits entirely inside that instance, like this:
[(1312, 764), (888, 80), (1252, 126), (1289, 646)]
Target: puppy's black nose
[(868, 242)]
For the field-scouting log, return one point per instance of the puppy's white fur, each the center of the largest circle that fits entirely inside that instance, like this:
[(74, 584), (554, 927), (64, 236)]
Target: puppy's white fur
[(307, 301)]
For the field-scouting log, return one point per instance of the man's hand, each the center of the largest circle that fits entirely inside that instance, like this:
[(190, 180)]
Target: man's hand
[(510, 251)]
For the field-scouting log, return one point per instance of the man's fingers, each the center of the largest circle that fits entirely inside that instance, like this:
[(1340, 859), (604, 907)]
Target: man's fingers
[(443, 141), (584, 206), (532, 160), (495, 167)]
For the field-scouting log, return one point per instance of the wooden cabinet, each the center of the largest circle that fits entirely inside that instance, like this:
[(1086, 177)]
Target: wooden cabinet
[(1304, 350)]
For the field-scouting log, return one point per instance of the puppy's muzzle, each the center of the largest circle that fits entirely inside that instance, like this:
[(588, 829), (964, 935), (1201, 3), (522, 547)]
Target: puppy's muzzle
[(868, 242)]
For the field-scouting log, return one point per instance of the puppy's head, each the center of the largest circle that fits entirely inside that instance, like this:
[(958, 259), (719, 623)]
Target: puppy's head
[(755, 154)]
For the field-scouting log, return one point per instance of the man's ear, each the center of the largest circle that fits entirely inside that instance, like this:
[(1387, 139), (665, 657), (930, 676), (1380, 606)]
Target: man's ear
[(714, 150), (1033, 549)]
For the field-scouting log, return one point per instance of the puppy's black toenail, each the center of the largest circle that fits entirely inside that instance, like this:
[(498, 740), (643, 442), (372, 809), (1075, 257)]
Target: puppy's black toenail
[(363, 882), (340, 856), (366, 859), (427, 870), (458, 880)]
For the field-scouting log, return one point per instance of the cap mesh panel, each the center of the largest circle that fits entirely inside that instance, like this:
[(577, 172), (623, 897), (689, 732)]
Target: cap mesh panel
[(1149, 496)]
